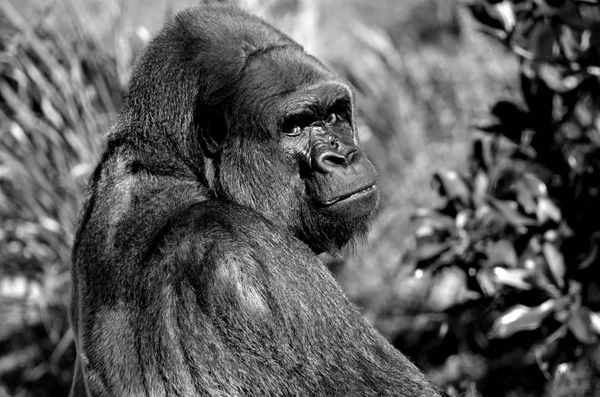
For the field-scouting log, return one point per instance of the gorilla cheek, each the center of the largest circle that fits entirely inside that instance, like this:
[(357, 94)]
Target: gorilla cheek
[(261, 180)]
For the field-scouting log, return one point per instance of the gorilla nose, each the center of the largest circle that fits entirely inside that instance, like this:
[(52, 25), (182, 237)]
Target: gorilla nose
[(329, 159)]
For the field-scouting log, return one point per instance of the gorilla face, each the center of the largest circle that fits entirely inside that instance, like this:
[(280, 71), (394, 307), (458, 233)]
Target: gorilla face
[(339, 179), (294, 117)]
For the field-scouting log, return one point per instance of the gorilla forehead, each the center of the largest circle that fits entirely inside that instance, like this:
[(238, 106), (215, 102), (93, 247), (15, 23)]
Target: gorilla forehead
[(290, 74), (290, 67)]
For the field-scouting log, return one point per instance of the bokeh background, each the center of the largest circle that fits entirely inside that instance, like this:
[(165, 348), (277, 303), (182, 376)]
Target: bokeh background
[(425, 76)]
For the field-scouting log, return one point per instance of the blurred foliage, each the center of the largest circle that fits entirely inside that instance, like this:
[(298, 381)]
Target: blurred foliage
[(59, 93), (419, 81), (510, 257), (62, 74)]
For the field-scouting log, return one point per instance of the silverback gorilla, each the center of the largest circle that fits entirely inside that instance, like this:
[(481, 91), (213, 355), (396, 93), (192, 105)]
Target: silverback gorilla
[(234, 162)]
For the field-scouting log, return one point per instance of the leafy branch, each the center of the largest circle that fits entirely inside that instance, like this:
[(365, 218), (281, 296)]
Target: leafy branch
[(519, 229)]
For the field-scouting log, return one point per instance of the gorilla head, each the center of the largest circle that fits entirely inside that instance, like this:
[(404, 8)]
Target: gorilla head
[(259, 121)]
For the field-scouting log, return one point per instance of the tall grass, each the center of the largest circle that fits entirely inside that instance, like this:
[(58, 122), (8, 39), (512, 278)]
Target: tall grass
[(420, 74), (60, 90)]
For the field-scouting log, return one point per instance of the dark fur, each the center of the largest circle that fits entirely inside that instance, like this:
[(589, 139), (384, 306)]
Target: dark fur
[(194, 264)]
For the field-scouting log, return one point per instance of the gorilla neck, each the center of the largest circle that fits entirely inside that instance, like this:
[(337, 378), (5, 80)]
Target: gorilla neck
[(329, 235), (250, 179)]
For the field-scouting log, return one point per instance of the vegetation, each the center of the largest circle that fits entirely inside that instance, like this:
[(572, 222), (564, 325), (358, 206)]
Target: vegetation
[(514, 241), (498, 291), (59, 93)]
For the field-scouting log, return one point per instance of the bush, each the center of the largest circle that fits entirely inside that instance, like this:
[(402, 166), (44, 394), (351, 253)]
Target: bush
[(511, 254), (59, 93)]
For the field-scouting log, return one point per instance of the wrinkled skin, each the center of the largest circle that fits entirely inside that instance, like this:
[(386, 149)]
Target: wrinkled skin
[(195, 273)]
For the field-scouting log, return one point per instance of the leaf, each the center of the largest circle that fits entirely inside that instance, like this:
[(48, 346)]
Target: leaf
[(462, 219), (485, 15), (556, 263), (542, 40), (547, 210), (565, 231), (488, 222), (591, 255), (424, 231), (595, 322), (570, 43), (501, 252), (433, 218), (535, 185), (556, 78), (481, 154), (429, 250), (511, 213), (521, 318), (538, 268), (576, 159), (512, 277), (451, 185), (485, 279), (581, 326), (526, 198), (449, 289), (505, 13), (481, 183), (584, 112)]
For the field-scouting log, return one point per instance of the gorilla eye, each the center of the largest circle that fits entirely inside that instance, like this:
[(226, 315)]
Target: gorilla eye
[(294, 131), (295, 123), (331, 119)]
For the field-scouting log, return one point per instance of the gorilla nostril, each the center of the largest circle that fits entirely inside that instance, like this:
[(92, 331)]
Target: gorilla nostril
[(353, 156), (334, 158), (327, 161)]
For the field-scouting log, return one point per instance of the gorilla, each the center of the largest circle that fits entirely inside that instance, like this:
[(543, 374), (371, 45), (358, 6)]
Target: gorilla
[(234, 162)]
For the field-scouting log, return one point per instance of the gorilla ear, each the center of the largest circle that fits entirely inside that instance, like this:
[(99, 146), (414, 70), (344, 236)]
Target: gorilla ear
[(211, 141), (211, 135)]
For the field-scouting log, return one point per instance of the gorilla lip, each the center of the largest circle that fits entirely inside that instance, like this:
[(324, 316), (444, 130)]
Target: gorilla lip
[(361, 192)]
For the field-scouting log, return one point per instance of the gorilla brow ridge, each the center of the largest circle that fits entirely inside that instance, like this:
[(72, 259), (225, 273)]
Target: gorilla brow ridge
[(264, 50), (267, 48), (336, 95)]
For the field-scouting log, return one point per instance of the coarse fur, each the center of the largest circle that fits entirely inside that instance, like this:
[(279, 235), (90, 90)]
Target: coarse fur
[(234, 162)]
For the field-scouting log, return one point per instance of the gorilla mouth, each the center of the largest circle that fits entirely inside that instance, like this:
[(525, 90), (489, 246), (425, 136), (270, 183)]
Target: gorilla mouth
[(362, 192)]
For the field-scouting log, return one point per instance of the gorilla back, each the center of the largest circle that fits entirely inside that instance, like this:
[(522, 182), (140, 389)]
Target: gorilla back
[(233, 163)]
